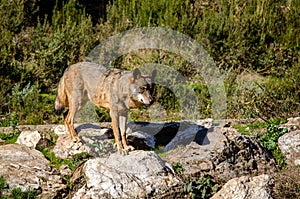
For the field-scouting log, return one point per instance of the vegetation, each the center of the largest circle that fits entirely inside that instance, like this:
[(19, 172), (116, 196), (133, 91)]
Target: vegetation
[(16, 193), (269, 141), (202, 188), (72, 162), (258, 40), (268, 133), (10, 138)]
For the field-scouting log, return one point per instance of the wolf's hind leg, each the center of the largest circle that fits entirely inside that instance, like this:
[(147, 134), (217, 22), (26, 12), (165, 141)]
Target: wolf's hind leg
[(75, 104), (69, 123)]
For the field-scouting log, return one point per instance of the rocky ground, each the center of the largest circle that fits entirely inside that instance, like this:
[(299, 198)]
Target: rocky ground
[(171, 160)]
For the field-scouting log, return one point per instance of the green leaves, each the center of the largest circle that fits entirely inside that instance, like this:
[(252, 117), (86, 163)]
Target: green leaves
[(269, 141), (201, 188)]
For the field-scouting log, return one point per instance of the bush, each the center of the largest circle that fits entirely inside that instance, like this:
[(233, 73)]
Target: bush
[(37, 45), (34, 55)]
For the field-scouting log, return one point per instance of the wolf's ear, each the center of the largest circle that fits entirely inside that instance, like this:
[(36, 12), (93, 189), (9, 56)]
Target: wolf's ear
[(153, 75), (136, 74)]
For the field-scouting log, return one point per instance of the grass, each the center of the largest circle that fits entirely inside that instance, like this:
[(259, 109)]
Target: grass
[(72, 162), (269, 133), (16, 193), (269, 141), (202, 188), (10, 138)]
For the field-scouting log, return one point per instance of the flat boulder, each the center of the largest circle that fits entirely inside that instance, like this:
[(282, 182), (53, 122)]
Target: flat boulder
[(28, 169)]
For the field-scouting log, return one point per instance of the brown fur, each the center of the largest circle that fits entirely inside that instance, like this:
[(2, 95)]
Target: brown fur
[(112, 89)]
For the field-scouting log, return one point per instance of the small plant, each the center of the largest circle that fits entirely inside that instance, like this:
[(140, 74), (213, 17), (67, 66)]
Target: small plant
[(3, 184), (178, 168), (72, 162), (269, 141), (11, 120), (101, 147), (10, 138), (17, 193), (201, 188)]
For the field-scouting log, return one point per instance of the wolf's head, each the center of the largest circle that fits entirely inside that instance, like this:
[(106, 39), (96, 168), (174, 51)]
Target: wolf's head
[(141, 87)]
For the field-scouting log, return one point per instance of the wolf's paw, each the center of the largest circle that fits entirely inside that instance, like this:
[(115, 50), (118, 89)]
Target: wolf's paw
[(76, 139), (125, 150), (129, 148)]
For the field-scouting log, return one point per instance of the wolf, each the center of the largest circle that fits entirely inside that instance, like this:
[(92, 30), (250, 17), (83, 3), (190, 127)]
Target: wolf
[(113, 89)]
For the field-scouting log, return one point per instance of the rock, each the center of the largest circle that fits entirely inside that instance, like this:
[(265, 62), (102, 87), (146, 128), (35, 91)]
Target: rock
[(140, 174), (246, 187), (29, 138), (224, 154), (186, 134), (141, 140), (94, 140), (169, 134), (59, 130), (289, 144), (28, 169), (207, 123), (65, 170), (293, 124)]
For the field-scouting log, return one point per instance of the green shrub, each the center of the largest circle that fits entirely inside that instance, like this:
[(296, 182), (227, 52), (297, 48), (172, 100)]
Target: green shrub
[(257, 36), (72, 162), (201, 188), (34, 55), (10, 138), (3, 184), (269, 141), (17, 193)]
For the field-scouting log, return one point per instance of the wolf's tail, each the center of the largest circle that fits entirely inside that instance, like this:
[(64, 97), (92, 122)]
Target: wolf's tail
[(61, 98)]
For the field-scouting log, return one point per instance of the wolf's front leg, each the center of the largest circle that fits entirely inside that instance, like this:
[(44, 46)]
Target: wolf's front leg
[(116, 131), (122, 124)]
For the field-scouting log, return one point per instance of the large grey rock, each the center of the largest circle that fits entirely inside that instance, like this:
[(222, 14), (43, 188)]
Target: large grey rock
[(245, 187), (224, 154), (28, 169), (29, 138), (137, 175), (289, 144)]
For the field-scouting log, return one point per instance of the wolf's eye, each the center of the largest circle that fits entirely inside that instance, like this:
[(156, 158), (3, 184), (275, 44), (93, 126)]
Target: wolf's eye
[(142, 89)]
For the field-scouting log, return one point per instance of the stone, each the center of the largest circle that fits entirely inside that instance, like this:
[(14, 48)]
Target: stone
[(65, 170), (293, 124), (141, 140), (207, 123), (29, 138), (224, 154), (169, 134), (28, 169), (140, 174), (186, 134), (94, 140), (246, 187), (289, 145)]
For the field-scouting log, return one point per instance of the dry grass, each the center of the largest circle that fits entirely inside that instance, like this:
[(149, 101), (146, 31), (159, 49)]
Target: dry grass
[(287, 183)]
